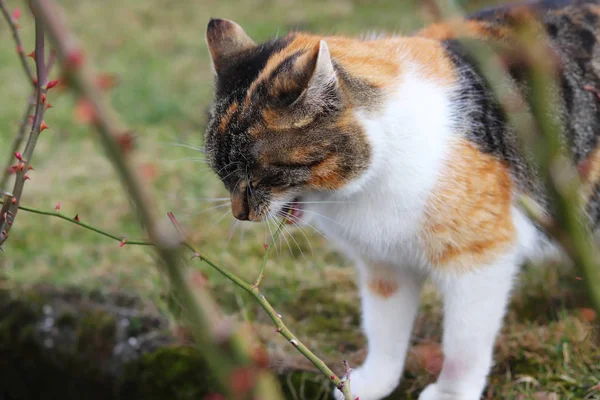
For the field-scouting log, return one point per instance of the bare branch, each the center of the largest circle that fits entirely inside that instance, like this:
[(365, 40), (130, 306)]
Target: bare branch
[(15, 32)]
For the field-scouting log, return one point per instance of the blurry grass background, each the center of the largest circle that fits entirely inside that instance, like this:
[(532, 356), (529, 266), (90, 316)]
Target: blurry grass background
[(156, 49)]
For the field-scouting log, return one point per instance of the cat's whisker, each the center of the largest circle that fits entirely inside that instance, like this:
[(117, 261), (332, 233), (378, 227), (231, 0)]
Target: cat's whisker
[(297, 226), (232, 231), (212, 199), (297, 220), (321, 202), (320, 215), (273, 241), (244, 226), (221, 217), (295, 241), (188, 146), (183, 159), (213, 208)]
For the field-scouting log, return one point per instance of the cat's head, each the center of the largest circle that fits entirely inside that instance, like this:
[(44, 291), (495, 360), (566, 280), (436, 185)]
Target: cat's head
[(281, 126)]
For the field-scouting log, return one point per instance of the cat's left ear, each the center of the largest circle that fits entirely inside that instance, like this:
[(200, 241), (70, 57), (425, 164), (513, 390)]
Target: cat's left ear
[(323, 88), (225, 39)]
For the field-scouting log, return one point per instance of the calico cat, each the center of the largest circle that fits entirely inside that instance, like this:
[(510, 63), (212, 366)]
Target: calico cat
[(398, 150)]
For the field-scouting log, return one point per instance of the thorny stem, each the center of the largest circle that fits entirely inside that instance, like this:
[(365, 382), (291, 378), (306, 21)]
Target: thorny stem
[(86, 226), (15, 32), (252, 289), (7, 218), (16, 145)]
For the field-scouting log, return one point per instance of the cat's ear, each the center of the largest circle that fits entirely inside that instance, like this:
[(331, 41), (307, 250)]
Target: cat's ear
[(323, 89), (225, 39)]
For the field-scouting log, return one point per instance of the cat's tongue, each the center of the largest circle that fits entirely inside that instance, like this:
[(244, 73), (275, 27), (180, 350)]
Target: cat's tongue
[(296, 213)]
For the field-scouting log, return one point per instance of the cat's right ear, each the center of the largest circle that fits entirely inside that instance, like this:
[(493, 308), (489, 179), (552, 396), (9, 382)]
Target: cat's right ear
[(225, 39)]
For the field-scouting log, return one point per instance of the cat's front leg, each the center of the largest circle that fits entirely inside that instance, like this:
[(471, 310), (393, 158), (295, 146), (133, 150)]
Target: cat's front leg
[(474, 307), (390, 299)]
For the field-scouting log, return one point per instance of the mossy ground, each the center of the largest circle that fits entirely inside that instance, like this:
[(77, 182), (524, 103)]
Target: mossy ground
[(157, 50)]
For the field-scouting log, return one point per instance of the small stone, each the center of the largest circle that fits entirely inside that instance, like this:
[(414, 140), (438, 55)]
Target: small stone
[(47, 309), (48, 343), (133, 342)]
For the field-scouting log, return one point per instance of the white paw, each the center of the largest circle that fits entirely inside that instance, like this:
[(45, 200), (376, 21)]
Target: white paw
[(432, 392), (367, 387)]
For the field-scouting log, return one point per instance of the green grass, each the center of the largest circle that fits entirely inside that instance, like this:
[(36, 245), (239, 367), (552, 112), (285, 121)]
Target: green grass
[(157, 49)]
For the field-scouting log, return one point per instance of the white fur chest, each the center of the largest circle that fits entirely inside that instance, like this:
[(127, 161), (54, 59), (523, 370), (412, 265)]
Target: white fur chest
[(378, 217)]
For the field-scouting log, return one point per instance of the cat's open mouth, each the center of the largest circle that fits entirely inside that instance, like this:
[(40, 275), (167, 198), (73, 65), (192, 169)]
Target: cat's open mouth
[(293, 210)]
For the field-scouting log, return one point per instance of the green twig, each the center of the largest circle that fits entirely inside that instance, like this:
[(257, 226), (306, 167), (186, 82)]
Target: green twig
[(86, 226), (252, 289)]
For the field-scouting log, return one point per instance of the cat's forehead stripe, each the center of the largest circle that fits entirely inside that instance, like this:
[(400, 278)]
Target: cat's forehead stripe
[(299, 44)]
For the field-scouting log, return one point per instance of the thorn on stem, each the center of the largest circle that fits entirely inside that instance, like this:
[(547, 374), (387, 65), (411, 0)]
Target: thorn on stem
[(76, 218), (196, 255), (32, 55), (294, 342), (14, 200), (123, 241), (26, 177), (43, 126), (43, 98)]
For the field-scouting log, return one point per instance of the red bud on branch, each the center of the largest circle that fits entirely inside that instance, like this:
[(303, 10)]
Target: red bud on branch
[(21, 167), (18, 156), (19, 49), (14, 200), (51, 84), (57, 208), (16, 14), (265, 246), (123, 241)]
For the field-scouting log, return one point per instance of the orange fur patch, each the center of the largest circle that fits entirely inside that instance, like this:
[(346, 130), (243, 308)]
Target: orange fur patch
[(226, 118), (383, 288), (460, 28), (468, 216), (325, 175)]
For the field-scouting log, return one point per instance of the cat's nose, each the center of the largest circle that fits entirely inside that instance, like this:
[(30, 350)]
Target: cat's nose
[(239, 202), (241, 214)]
